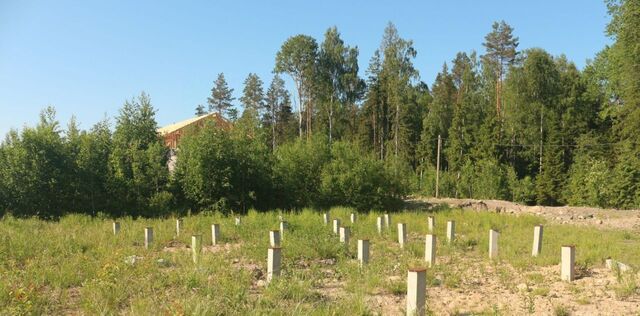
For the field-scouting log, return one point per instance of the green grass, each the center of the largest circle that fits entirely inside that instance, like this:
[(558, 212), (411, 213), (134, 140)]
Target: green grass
[(77, 265)]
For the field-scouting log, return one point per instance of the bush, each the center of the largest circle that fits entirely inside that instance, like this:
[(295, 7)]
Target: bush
[(522, 190), (297, 172), (354, 178), (588, 182), (490, 181), (161, 203), (220, 170)]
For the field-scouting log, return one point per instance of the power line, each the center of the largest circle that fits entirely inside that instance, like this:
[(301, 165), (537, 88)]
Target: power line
[(551, 145)]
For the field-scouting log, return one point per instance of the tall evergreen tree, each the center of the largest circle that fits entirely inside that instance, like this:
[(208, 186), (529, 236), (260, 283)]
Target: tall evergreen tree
[(372, 128), (200, 110), (278, 111), (501, 52), (137, 163), (397, 73), (438, 118), (624, 63), (391, 99), (221, 96), (252, 96)]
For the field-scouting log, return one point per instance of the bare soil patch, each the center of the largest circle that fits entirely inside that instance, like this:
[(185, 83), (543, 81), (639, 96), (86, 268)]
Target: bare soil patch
[(574, 215)]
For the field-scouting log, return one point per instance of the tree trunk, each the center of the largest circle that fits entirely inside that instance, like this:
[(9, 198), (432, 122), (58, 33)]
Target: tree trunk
[(397, 129), (541, 135), (300, 107), (273, 129), (330, 118)]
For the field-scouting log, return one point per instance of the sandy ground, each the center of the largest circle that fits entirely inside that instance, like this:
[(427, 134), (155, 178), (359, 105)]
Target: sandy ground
[(489, 287), (574, 215)]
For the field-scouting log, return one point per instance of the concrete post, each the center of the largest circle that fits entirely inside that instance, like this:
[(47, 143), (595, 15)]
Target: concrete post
[(196, 247), (493, 243), (116, 228), (215, 234), (325, 218), (402, 234), (431, 222), (336, 226), (353, 218), (238, 221), (567, 272), (274, 238), (416, 292), (274, 261), (283, 226), (537, 240), (363, 251), (387, 221), (430, 250), (379, 224), (178, 226), (148, 237), (451, 231), (345, 233)]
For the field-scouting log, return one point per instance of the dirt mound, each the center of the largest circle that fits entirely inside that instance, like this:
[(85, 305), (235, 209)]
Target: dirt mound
[(576, 215)]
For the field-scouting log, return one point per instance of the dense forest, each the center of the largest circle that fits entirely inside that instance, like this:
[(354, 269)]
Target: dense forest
[(519, 125)]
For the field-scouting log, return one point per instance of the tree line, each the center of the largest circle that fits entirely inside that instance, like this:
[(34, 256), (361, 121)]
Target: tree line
[(520, 125)]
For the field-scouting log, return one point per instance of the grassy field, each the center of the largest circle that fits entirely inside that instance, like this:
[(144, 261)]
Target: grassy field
[(77, 266)]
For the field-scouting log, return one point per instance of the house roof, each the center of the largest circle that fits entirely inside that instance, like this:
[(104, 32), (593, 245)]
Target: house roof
[(176, 126)]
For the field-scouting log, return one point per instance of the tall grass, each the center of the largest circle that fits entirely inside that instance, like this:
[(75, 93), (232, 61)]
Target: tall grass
[(78, 265)]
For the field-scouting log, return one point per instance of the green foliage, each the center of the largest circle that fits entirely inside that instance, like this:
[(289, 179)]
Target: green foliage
[(589, 182), (278, 118), (338, 86), (36, 170), (137, 163), (298, 169), (626, 180), (297, 57), (522, 190), (221, 96), (226, 170), (558, 135), (354, 178), (252, 95), (76, 265), (491, 180)]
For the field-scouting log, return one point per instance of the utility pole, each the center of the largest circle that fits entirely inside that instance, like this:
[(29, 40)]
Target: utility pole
[(438, 166), (541, 137)]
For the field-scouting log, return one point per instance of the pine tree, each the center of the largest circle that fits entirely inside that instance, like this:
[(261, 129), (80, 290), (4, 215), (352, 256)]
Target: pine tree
[(200, 111), (252, 96), (501, 48), (221, 96), (467, 117), (624, 64), (278, 111), (438, 118), (396, 74)]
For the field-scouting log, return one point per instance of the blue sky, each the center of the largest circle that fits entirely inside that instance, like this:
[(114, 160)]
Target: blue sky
[(87, 57)]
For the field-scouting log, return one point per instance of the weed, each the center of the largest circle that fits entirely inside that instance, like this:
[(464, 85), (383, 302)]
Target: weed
[(77, 266), (540, 291), (561, 310), (626, 287)]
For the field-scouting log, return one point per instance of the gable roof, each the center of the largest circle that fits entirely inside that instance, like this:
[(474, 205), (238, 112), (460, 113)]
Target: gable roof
[(176, 126)]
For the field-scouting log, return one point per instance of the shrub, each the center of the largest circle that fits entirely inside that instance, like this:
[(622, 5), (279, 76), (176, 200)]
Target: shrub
[(354, 178), (216, 168), (297, 170)]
